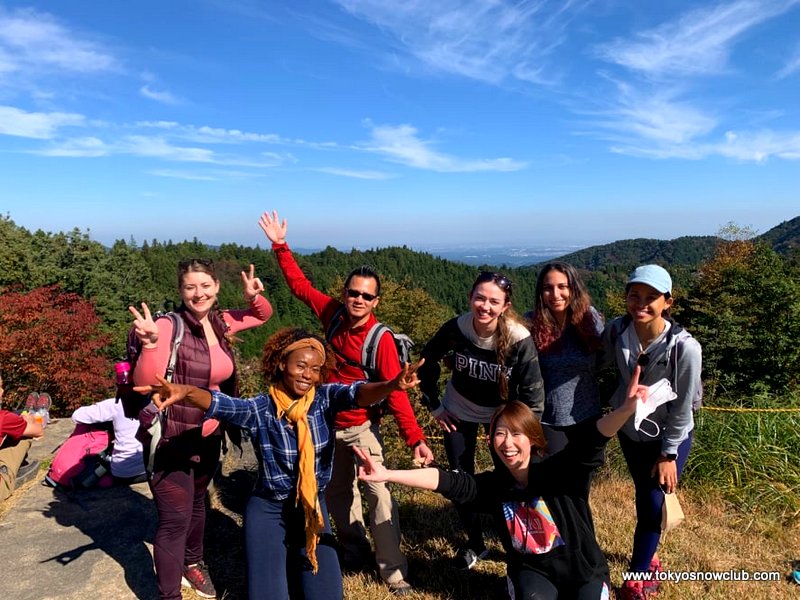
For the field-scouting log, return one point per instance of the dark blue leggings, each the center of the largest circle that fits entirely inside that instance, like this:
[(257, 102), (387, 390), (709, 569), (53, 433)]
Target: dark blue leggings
[(641, 457), (275, 544)]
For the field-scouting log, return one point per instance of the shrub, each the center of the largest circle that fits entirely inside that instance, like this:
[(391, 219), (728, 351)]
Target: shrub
[(50, 341)]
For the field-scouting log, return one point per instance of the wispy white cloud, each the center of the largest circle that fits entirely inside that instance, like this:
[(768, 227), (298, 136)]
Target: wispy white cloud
[(186, 175), (488, 41), (31, 40), (374, 175), (655, 117), (36, 125), (400, 144), (791, 67), (86, 147), (156, 147), (697, 43), (747, 146), (760, 145), (162, 96), (211, 135)]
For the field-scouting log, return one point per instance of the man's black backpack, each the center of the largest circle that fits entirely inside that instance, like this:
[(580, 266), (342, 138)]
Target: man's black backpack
[(369, 350)]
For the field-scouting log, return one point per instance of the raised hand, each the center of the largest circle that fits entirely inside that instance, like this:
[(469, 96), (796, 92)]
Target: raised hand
[(143, 325), (273, 228), (636, 392), (407, 377), (251, 285)]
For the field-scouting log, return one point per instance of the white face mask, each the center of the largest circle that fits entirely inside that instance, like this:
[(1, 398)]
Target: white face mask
[(659, 393)]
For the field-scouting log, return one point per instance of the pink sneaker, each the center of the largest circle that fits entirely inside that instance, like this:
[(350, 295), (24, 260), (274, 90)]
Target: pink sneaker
[(31, 402)]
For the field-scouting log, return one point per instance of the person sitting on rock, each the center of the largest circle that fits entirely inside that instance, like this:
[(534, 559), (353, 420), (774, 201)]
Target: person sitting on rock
[(15, 434)]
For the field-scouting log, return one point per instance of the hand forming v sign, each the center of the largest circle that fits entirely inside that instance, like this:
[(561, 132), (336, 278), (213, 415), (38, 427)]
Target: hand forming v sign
[(273, 228), (407, 377), (144, 327), (251, 285)]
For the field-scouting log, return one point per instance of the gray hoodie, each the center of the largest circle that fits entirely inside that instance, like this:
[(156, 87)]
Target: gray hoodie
[(676, 356)]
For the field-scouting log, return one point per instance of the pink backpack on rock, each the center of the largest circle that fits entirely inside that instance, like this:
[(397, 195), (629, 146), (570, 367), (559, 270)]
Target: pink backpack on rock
[(82, 460)]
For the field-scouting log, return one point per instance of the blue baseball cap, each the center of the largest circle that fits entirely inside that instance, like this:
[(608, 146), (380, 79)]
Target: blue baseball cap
[(654, 276)]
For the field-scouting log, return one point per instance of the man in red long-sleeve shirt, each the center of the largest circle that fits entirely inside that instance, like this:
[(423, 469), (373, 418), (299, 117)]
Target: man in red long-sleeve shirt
[(357, 427)]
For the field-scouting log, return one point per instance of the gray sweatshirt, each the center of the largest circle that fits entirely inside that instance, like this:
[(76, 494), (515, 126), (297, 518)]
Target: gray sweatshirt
[(676, 356)]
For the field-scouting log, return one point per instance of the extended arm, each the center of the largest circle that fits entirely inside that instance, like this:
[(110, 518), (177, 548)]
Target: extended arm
[(166, 394), (369, 470), (323, 305), (370, 393)]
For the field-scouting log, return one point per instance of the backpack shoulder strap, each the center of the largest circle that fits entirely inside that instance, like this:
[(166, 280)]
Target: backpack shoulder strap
[(177, 339), (335, 323), (369, 350)]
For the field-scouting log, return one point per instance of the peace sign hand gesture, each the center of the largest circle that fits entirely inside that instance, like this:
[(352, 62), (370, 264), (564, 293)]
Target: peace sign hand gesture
[(144, 327), (273, 228), (251, 285)]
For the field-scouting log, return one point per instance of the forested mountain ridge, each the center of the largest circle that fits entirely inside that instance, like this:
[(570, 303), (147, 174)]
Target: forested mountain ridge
[(687, 250), (783, 238), (127, 273)]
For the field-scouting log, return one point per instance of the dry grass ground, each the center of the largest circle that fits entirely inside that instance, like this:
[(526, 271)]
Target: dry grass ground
[(715, 537)]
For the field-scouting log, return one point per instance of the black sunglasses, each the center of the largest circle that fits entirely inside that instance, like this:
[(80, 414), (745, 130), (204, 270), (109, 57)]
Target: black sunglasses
[(503, 282), (355, 294), (643, 360)]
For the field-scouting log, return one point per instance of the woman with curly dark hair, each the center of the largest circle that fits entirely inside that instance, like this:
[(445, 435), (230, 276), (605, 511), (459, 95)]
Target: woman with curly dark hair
[(493, 361), (288, 539), (567, 332)]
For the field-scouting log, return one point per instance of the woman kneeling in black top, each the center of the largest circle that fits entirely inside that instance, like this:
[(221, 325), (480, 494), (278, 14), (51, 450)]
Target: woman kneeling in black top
[(541, 509)]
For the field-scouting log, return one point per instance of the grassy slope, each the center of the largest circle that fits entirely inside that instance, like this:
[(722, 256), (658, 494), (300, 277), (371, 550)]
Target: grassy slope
[(715, 537)]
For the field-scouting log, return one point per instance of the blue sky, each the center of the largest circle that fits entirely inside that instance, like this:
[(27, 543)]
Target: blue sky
[(380, 122)]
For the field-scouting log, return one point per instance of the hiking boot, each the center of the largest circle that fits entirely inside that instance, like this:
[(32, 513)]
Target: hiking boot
[(27, 472), (196, 577), (468, 558), (401, 588)]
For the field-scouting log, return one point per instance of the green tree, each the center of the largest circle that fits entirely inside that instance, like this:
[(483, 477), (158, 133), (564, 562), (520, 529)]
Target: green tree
[(745, 311)]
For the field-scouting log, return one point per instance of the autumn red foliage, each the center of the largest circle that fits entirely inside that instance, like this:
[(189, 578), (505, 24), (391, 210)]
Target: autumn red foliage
[(50, 341)]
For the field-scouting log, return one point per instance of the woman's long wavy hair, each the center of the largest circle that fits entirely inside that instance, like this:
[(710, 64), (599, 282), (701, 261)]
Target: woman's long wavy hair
[(272, 355), (502, 338), (544, 325)]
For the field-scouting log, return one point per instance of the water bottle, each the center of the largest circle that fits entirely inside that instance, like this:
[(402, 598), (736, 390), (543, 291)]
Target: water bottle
[(89, 478), (122, 371)]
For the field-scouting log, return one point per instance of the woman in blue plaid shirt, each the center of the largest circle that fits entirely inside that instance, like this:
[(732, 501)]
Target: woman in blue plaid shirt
[(288, 537)]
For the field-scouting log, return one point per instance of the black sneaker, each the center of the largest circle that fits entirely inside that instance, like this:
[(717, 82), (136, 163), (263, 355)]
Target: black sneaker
[(468, 558), (196, 577), (27, 472)]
